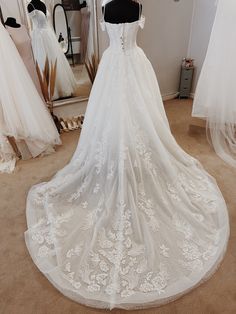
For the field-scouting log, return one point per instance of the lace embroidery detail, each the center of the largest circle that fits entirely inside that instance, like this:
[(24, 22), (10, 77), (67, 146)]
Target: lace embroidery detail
[(92, 217), (96, 188), (100, 154), (68, 274), (49, 189), (194, 257), (198, 217), (173, 192), (194, 192), (111, 171), (46, 230), (156, 282), (182, 226), (144, 152), (79, 192), (164, 250), (123, 154), (74, 252), (195, 252), (119, 266), (146, 205)]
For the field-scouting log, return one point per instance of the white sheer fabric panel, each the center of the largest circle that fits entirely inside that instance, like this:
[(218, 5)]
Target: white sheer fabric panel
[(215, 98)]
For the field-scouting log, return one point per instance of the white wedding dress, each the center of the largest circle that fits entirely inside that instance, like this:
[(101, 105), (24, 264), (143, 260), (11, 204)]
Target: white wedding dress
[(45, 44), (132, 221), (214, 99), (23, 114)]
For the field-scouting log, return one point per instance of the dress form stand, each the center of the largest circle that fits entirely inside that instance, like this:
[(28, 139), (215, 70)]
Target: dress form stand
[(122, 11), (37, 5), (11, 21)]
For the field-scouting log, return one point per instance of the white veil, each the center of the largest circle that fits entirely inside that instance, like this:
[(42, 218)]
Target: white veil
[(215, 97)]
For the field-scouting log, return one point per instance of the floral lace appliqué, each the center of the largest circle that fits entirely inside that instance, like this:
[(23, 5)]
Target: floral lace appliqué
[(119, 264)]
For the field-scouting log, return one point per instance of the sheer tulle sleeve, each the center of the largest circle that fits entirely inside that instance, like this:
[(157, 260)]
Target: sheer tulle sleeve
[(142, 22), (103, 25)]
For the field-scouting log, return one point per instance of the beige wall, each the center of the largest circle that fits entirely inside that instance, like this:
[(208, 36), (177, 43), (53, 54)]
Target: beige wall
[(172, 31), (11, 8), (164, 39)]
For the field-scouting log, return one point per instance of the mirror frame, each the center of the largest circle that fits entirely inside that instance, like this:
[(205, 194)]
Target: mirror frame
[(67, 25), (1, 16), (26, 20)]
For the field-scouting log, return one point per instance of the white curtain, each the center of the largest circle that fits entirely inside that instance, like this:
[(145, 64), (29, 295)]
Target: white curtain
[(215, 98)]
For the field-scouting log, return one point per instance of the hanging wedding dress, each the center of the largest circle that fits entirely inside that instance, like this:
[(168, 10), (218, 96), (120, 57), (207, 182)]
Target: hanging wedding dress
[(23, 115), (22, 42), (132, 221), (45, 44), (215, 99)]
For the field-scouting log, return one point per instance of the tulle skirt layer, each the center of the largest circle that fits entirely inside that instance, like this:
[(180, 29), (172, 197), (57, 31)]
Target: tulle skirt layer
[(215, 98), (23, 114), (45, 45), (132, 221)]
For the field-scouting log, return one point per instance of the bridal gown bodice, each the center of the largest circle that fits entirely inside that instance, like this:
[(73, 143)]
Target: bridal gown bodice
[(123, 36), (45, 45), (39, 20), (132, 221)]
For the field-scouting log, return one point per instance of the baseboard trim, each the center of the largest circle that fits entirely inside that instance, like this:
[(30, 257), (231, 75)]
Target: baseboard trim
[(73, 100), (166, 97), (69, 101)]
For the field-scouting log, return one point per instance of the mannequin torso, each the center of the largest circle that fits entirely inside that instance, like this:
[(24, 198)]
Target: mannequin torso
[(122, 11), (83, 5), (38, 5)]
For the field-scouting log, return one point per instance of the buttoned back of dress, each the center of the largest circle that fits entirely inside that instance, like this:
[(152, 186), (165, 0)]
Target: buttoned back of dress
[(39, 19), (123, 36)]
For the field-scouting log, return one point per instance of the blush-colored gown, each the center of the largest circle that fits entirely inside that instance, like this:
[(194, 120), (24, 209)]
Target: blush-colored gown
[(22, 41)]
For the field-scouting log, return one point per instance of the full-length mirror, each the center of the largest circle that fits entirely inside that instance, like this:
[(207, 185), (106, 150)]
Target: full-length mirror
[(61, 27), (64, 35)]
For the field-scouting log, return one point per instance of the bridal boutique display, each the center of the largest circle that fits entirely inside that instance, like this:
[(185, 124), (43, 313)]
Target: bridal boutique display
[(215, 98), (45, 44), (132, 221), (23, 115), (22, 41)]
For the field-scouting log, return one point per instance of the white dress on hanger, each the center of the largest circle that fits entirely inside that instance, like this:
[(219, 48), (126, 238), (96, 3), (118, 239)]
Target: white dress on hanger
[(45, 44), (23, 114), (215, 99), (132, 221)]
